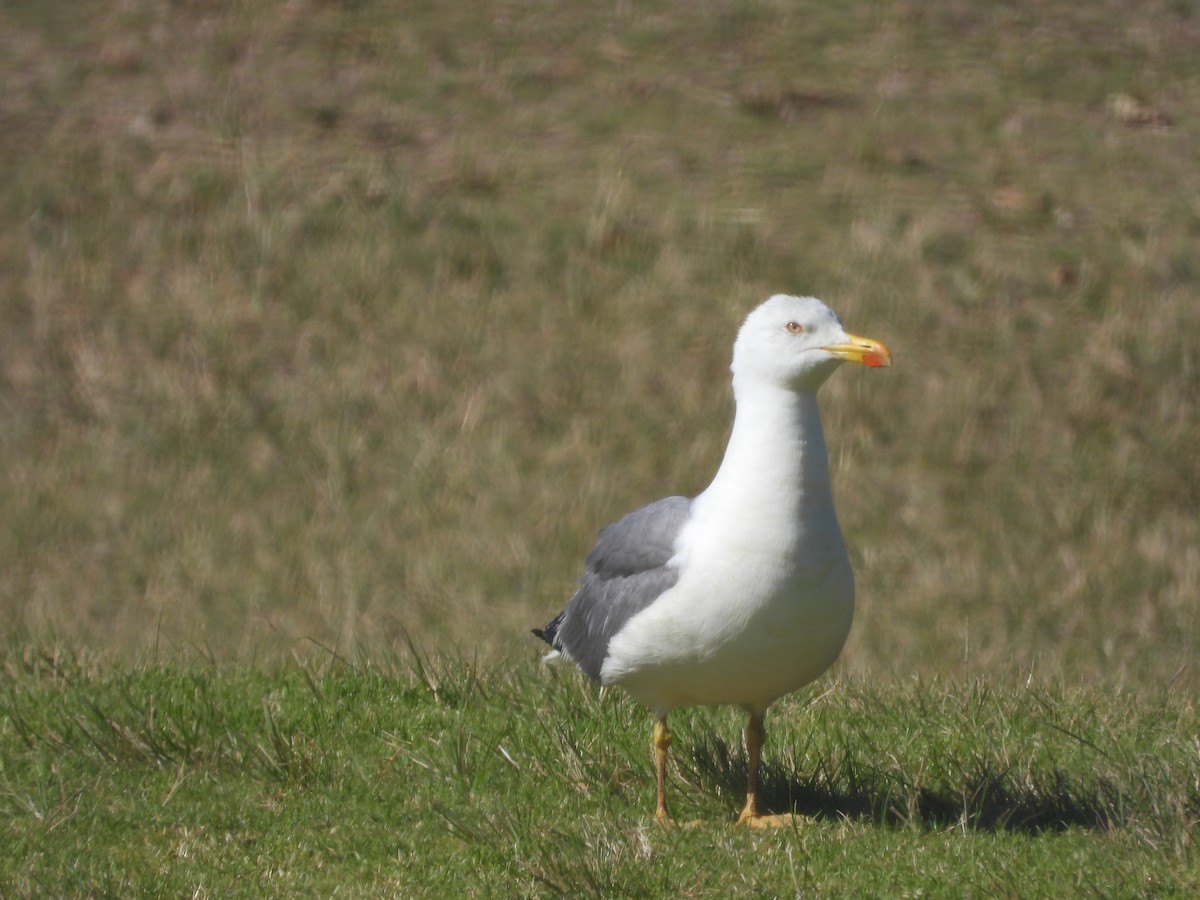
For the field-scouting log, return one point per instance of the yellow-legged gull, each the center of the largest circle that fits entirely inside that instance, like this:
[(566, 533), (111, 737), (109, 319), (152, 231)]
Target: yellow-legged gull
[(744, 593)]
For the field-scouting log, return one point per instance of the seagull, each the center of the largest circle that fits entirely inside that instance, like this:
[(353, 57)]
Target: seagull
[(743, 593)]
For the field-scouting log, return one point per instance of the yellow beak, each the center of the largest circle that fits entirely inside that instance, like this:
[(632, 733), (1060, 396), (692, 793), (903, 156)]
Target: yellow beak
[(862, 350)]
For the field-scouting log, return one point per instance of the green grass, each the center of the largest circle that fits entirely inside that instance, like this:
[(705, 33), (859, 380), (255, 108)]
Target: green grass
[(396, 776), (324, 324)]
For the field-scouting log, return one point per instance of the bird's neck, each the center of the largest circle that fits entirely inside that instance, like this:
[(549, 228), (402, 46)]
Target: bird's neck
[(776, 458)]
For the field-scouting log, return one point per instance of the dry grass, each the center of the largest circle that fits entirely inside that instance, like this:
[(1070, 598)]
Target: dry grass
[(327, 322)]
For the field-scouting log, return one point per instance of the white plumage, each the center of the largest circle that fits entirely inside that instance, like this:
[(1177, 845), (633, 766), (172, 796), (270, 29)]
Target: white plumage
[(744, 593)]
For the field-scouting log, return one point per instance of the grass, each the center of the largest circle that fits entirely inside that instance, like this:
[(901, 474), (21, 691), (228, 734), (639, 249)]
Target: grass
[(328, 323), (405, 775), (325, 325)]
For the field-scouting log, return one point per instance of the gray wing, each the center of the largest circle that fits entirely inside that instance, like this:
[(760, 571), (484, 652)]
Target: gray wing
[(625, 572)]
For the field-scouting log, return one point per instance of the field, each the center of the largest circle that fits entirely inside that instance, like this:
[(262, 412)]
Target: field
[(330, 334), (412, 778)]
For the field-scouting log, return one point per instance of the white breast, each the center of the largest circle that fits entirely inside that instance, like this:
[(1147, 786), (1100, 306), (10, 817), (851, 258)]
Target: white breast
[(766, 594)]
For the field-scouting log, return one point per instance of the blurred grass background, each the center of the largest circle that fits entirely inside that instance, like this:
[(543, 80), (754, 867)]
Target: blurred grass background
[(331, 321)]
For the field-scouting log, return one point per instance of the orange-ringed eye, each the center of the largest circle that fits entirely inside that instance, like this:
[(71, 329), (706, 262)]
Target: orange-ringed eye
[(794, 328)]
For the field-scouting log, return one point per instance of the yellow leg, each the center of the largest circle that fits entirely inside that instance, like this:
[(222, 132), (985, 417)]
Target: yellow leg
[(756, 736), (662, 742)]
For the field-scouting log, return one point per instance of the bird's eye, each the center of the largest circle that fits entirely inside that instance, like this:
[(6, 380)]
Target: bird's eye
[(794, 328)]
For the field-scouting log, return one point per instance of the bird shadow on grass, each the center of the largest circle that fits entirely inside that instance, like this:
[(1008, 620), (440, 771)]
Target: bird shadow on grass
[(976, 796)]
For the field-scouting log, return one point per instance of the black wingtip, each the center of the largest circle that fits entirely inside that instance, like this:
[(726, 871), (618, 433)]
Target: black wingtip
[(549, 633)]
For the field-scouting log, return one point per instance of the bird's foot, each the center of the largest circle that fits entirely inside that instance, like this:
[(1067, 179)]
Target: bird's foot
[(751, 818), (780, 820)]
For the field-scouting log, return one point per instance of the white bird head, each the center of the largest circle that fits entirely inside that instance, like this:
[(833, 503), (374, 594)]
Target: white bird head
[(796, 343)]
